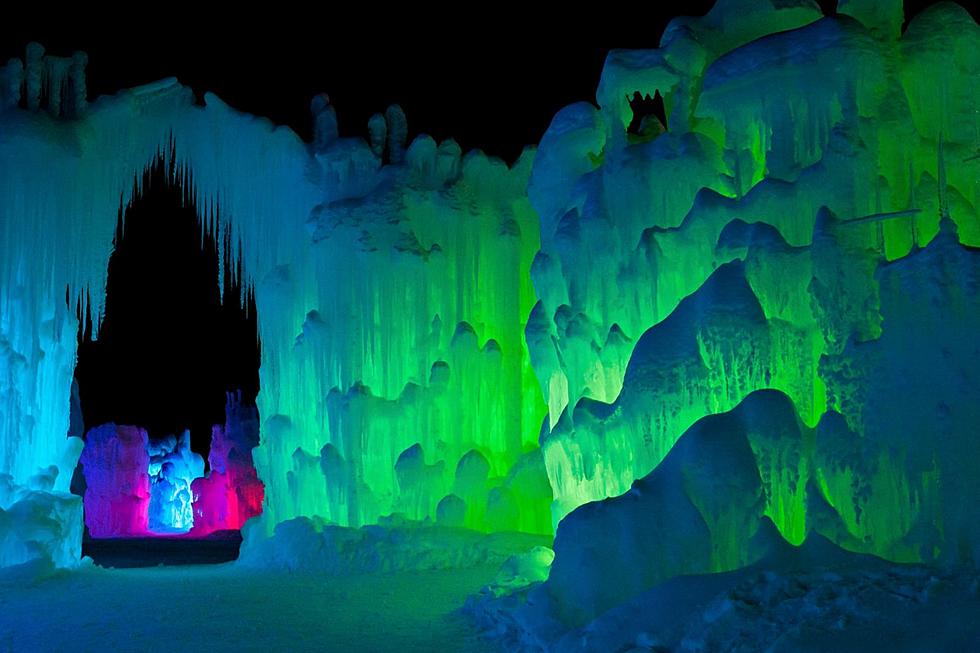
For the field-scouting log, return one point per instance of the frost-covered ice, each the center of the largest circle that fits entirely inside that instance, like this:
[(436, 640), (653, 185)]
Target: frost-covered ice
[(115, 465)]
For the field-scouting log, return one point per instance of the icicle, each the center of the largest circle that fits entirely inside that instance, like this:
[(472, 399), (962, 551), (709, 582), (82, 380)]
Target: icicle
[(941, 181)]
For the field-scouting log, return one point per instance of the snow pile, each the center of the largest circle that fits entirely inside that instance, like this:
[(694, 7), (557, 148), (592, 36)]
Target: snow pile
[(312, 545), (38, 523), (814, 597)]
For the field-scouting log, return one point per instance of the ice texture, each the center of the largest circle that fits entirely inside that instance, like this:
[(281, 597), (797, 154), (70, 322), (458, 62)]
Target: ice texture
[(135, 487), (115, 464), (231, 493), (172, 469), (315, 546)]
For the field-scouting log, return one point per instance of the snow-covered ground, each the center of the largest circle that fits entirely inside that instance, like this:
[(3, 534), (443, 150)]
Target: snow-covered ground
[(229, 608), (813, 598)]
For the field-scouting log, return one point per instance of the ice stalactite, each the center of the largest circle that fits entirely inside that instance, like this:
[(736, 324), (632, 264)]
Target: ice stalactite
[(838, 268), (887, 470), (324, 121), (11, 81), (387, 431), (38, 517), (377, 134), (58, 82), (397, 133)]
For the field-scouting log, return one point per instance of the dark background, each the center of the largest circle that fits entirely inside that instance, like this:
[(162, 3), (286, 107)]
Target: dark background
[(172, 341), (489, 77)]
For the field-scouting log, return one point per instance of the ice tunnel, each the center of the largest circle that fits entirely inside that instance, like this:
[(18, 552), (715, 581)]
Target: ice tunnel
[(176, 359)]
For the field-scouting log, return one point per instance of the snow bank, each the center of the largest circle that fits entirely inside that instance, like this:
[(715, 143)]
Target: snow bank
[(305, 544), (816, 597), (38, 525)]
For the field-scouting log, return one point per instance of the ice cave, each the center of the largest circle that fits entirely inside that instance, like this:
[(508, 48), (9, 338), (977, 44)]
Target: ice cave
[(696, 371)]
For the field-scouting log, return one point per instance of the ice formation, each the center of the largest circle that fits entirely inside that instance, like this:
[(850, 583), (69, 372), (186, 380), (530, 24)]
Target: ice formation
[(801, 303), (173, 467), (682, 348), (115, 464), (137, 487), (829, 192), (230, 493)]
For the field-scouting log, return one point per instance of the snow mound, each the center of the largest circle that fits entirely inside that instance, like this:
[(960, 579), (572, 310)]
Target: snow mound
[(815, 597), (305, 544), (39, 526)]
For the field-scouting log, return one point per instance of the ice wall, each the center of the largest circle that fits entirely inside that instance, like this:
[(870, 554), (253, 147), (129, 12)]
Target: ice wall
[(889, 469), (412, 356), (231, 492), (700, 511), (135, 487), (38, 517), (785, 350), (813, 155)]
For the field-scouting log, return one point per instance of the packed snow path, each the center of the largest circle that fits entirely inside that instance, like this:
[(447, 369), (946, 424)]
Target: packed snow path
[(224, 608)]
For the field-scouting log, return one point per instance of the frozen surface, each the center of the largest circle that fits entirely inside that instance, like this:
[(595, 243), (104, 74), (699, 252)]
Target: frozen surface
[(224, 608)]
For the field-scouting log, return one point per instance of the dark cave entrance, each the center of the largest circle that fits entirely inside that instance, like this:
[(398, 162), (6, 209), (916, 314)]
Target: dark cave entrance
[(649, 115), (166, 391)]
